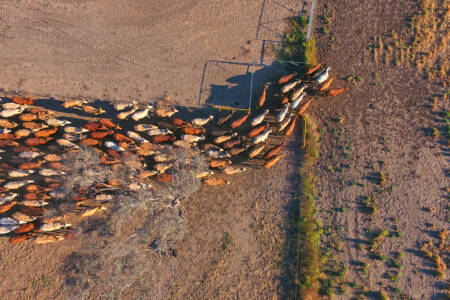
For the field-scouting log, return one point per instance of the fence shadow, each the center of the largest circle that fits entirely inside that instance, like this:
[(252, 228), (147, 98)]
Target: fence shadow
[(273, 14)]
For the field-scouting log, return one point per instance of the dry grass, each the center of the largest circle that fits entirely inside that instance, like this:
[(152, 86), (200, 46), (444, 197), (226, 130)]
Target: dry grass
[(424, 43), (295, 48)]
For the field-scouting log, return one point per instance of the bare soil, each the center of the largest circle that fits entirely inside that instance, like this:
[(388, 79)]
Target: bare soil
[(382, 123)]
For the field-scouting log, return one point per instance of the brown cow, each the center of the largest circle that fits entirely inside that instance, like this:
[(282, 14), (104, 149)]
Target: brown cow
[(192, 131), (313, 69), (94, 126), (291, 127), (326, 84), (178, 122), (218, 163), (231, 143), (238, 122), (273, 161), (22, 100), (274, 150), (122, 138), (31, 165), (109, 124), (213, 181), (335, 92), (36, 141), (99, 134), (7, 206), (286, 78), (7, 136), (226, 118), (24, 228), (20, 238), (90, 142), (27, 117), (158, 139), (257, 130), (45, 133), (262, 99), (304, 107), (163, 178)]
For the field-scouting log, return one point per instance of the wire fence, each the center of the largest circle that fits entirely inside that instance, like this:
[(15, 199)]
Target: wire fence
[(221, 88)]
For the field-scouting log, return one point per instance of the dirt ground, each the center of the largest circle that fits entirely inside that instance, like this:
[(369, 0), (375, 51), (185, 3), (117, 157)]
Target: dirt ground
[(123, 50), (128, 49), (386, 126)]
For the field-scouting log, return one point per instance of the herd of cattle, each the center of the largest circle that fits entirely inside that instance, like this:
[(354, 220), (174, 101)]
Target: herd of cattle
[(33, 143)]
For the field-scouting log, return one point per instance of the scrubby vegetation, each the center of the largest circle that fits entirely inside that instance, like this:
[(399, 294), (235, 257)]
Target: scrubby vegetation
[(309, 229), (295, 47), (118, 251)]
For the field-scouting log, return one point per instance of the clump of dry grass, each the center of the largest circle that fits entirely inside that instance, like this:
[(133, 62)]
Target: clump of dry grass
[(295, 47), (432, 252), (369, 205), (124, 253), (376, 239)]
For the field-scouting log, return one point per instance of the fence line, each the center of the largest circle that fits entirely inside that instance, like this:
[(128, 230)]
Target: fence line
[(223, 107), (310, 21)]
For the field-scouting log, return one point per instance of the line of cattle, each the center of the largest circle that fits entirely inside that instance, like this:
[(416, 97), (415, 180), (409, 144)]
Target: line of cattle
[(33, 142)]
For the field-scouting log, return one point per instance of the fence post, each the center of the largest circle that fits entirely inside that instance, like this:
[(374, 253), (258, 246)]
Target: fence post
[(251, 87)]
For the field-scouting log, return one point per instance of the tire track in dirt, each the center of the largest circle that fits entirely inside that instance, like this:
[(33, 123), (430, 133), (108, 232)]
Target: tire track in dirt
[(165, 16), (106, 51)]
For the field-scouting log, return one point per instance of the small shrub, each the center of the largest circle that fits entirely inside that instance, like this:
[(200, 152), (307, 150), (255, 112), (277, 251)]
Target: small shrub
[(380, 256), (436, 134), (392, 277), (435, 104), (226, 241), (365, 268), (369, 205), (80, 176), (382, 178), (381, 295)]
